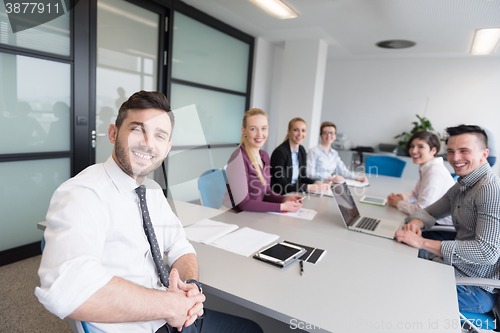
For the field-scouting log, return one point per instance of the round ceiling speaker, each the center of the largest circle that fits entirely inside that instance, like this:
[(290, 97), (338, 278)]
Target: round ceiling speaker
[(396, 44)]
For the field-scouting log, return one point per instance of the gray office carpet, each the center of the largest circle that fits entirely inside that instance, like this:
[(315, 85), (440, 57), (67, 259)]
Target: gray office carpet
[(20, 310)]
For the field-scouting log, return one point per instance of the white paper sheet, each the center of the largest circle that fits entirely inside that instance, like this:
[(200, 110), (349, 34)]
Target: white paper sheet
[(245, 241), (207, 231), (303, 213), (355, 183), (327, 193)]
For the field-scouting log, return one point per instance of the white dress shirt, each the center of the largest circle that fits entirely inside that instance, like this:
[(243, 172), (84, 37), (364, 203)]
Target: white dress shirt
[(321, 165), (435, 180), (94, 232)]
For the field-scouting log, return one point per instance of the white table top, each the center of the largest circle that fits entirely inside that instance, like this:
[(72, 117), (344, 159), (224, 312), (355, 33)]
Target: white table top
[(364, 283)]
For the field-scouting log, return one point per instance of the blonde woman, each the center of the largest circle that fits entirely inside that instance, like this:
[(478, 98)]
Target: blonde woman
[(288, 163), (248, 171)]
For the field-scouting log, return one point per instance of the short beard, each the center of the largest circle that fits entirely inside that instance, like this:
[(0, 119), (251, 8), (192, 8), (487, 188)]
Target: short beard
[(123, 158)]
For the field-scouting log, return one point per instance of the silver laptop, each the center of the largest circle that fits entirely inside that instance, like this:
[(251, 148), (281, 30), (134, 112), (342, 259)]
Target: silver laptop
[(354, 221)]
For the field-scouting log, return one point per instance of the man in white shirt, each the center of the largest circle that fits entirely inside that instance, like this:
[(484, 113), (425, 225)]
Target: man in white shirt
[(98, 264)]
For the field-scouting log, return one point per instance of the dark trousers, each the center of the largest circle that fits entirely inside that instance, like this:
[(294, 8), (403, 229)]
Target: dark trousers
[(216, 322)]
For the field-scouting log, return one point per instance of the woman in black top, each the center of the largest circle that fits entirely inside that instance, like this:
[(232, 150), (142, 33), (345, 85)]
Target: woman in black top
[(285, 177)]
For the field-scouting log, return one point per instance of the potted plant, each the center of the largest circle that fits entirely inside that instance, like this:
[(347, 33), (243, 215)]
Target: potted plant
[(423, 125)]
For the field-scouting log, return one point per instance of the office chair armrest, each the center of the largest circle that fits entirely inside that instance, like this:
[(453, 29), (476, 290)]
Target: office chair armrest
[(468, 281)]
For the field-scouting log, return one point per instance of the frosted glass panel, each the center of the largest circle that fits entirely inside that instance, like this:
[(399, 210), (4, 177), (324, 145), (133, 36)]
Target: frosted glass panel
[(186, 166), (220, 115), (51, 37), (205, 55), (24, 198), (127, 61), (35, 95)]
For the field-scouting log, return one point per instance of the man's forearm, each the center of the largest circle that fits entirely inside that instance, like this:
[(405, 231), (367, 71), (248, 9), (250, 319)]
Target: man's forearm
[(123, 301), (432, 246), (187, 265)]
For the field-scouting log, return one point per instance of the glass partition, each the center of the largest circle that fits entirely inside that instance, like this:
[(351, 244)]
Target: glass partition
[(35, 97), (27, 187), (204, 55), (127, 61), (51, 37)]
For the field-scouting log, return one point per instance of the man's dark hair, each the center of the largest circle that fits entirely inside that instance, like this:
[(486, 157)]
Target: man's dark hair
[(145, 100), (472, 129), (326, 124), (430, 138)]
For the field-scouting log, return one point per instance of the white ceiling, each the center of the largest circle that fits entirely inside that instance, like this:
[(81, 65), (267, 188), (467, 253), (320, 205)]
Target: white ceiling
[(441, 28)]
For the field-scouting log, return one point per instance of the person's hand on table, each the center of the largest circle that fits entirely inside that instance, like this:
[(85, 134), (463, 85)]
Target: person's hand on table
[(409, 237), (293, 197), (362, 179), (291, 204), (319, 187), (414, 226), (393, 199), (336, 179)]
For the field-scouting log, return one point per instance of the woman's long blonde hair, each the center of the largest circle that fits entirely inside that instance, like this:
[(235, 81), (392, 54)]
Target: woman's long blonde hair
[(243, 141), (290, 125)]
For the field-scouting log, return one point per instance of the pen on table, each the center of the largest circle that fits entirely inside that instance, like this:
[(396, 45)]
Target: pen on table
[(301, 267)]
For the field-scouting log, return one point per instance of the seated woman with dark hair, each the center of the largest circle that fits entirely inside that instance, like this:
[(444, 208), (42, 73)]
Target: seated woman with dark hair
[(435, 180), (288, 163), (248, 171)]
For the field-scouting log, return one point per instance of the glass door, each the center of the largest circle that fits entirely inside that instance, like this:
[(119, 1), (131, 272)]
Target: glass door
[(128, 48)]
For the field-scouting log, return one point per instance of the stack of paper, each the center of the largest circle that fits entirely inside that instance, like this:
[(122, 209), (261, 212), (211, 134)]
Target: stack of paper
[(303, 213), (207, 231), (245, 241)]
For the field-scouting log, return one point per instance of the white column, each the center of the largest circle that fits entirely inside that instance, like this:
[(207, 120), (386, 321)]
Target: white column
[(302, 84)]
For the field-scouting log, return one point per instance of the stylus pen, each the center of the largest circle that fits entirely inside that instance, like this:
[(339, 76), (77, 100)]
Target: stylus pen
[(301, 267)]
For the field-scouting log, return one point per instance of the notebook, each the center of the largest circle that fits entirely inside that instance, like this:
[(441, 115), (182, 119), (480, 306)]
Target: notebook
[(354, 221)]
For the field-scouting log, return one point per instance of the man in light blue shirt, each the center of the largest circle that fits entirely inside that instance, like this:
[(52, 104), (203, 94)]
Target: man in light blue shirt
[(324, 163)]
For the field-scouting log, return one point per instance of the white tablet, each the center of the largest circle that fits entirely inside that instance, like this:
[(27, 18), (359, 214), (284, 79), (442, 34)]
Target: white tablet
[(280, 254), (373, 200)]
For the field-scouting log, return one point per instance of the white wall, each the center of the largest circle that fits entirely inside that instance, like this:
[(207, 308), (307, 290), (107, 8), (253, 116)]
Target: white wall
[(373, 100)]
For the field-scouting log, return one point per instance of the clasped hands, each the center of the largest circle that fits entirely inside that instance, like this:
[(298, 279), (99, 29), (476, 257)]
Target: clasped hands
[(393, 199), (188, 302), (410, 234)]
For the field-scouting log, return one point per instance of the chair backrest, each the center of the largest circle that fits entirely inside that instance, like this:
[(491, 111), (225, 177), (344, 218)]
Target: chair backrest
[(212, 186), (385, 165)]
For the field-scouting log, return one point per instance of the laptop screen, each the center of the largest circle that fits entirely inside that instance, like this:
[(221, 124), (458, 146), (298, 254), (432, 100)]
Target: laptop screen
[(346, 203)]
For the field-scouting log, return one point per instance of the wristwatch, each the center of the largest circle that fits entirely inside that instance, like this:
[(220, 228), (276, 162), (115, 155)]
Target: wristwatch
[(200, 288)]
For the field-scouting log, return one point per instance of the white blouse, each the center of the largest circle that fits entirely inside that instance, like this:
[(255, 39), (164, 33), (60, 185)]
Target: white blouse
[(435, 180)]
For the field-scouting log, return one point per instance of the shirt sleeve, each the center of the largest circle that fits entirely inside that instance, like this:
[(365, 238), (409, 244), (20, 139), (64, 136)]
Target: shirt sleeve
[(70, 271), (176, 244), (343, 171), (429, 215), (484, 249)]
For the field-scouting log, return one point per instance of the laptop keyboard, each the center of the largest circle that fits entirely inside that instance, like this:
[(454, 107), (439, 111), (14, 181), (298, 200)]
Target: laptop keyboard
[(368, 223)]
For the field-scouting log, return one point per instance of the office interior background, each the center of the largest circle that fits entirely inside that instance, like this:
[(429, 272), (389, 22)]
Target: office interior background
[(62, 83)]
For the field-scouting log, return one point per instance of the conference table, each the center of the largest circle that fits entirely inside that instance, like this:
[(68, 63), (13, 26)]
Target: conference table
[(363, 283)]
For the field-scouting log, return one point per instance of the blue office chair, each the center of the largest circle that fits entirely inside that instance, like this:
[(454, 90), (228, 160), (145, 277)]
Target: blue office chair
[(71, 321), (212, 186), (455, 176), (477, 322), (384, 165)]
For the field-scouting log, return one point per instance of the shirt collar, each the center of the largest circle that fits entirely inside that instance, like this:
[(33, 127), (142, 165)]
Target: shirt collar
[(427, 166), (472, 178), (294, 152), (123, 182)]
